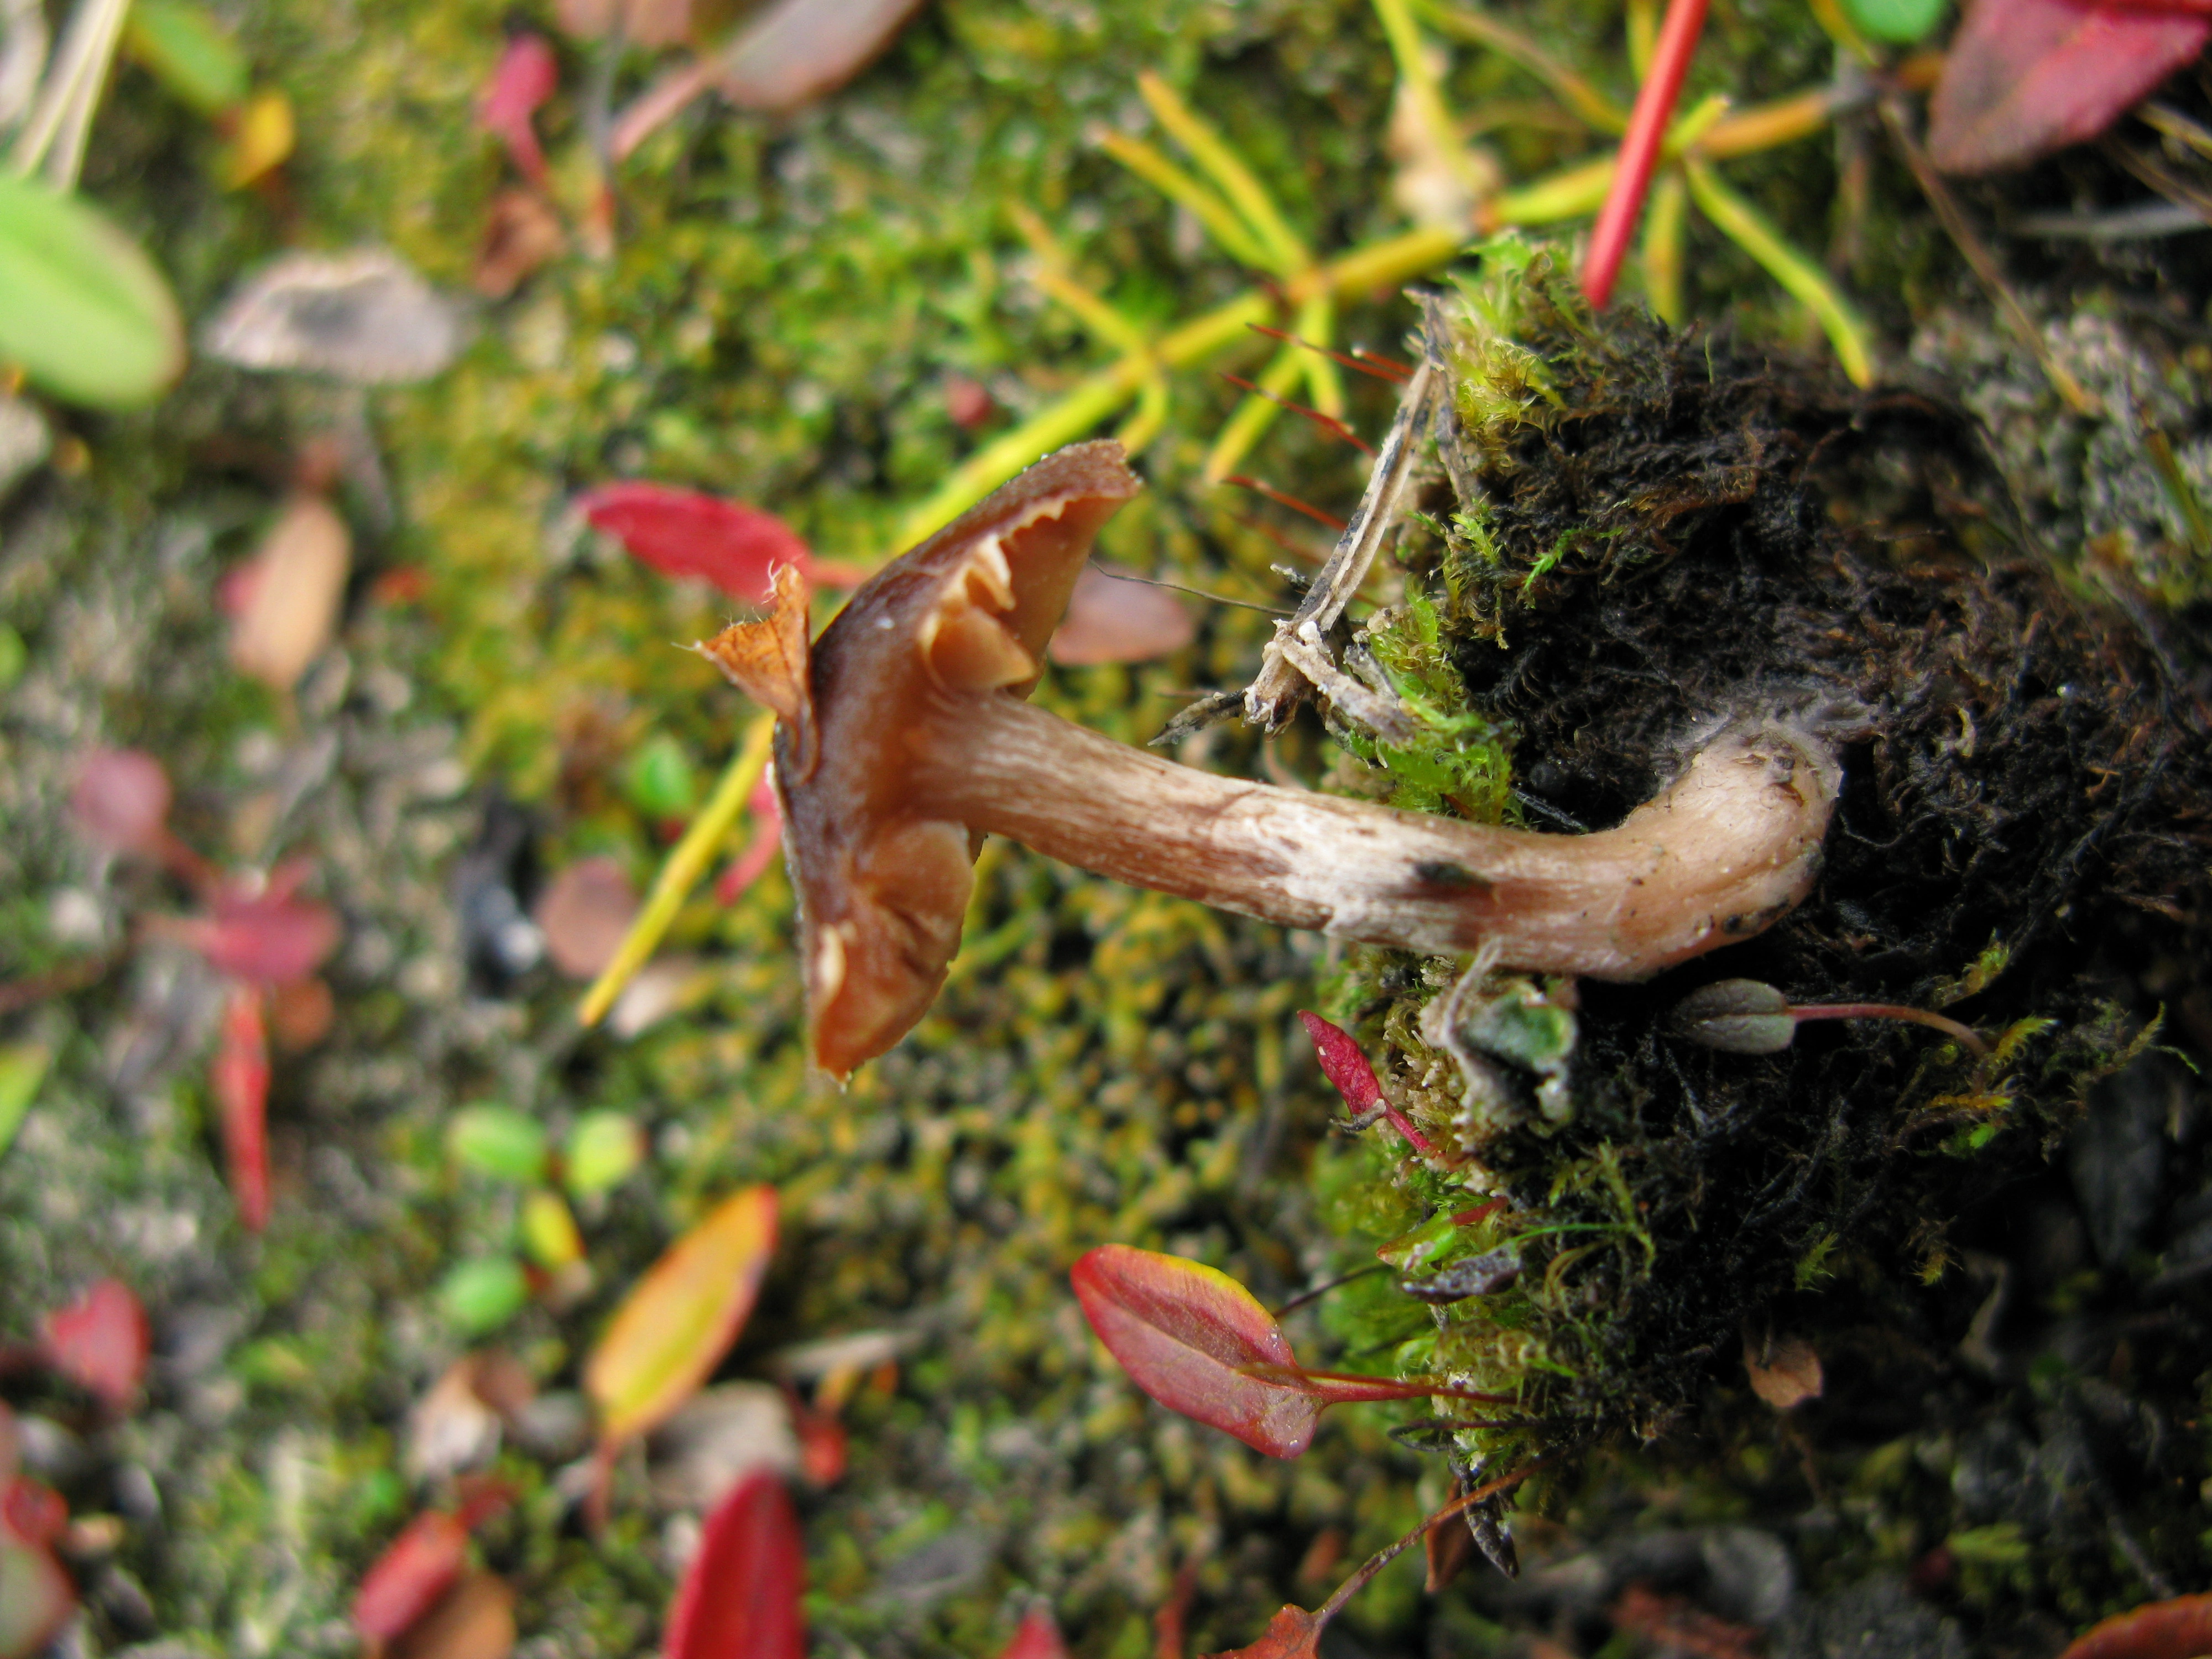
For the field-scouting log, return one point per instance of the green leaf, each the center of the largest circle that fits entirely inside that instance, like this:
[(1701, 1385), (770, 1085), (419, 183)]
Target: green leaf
[(479, 1296), (188, 52), (603, 1149), (497, 1140), (22, 1068), (83, 310), (1899, 22)]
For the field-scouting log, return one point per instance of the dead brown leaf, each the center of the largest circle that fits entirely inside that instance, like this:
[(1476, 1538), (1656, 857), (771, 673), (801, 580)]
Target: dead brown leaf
[(475, 1619), (521, 233), (292, 596), (1784, 1370)]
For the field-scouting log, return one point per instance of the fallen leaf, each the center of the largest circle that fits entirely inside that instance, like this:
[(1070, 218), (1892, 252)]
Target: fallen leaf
[(525, 77), (1674, 1624), (584, 914), (262, 133), (83, 312), (1115, 615), (1293, 1633), (267, 938), (2024, 77), (1788, 1374), (363, 317), (792, 52), (677, 1321), (2178, 1629), (120, 801), (718, 1438), (101, 1342), (419, 1566), (474, 1619), (521, 233), (1036, 1638), (1186, 1334), (740, 1596), (239, 1080), (687, 532), (296, 584)]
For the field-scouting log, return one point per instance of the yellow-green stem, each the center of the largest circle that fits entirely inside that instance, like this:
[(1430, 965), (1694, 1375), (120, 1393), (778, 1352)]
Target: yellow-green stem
[(1798, 276)]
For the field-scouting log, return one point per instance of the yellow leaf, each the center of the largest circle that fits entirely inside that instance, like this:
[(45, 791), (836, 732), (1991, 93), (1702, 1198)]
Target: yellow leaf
[(679, 1319), (260, 143)]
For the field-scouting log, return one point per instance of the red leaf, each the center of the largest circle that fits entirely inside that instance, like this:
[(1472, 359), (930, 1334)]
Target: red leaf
[(686, 532), (36, 1596), (120, 801), (1187, 1334), (1293, 1633), (32, 1511), (2178, 1629), (739, 1597), (526, 77), (239, 1077), (267, 938), (2024, 77), (1345, 1064), (101, 1342), (419, 1566), (1037, 1638)]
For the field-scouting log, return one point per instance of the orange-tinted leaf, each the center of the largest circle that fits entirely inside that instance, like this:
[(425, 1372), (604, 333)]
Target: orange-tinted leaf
[(1115, 616), (2024, 77), (526, 77), (679, 1320), (739, 1597), (475, 1619), (293, 595), (239, 1077), (1293, 1633), (686, 532), (2178, 1629), (1187, 1334), (100, 1341), (1038, 1637)]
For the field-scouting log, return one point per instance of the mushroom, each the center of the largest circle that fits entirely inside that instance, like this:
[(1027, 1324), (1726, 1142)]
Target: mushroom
[(903, 738)]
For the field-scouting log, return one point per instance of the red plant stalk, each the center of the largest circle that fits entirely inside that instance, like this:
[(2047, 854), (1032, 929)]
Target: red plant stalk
[(1353, 1387), (239, 1077), (1639, 148)]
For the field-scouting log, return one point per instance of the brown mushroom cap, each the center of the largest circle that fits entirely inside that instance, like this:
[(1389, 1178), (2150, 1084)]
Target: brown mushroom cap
[(883, 886)]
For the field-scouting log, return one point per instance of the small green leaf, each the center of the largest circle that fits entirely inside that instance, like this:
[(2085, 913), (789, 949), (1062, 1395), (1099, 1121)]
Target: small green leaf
[(480, 1295), (189, 52), (661, 781), (83, 310), (22, 1068), (1899, 22), (14, 657), (497, 1140), (602, 1150), (549, 1231)]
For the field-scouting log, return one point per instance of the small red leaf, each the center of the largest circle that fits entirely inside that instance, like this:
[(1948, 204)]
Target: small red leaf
[(1293, 1633), (1345, 1064), (526, 77), (420, 1565), (239, 1078), (2024, 77), (34, 1512), (267, 939), (2178, 1629), (740, 1597), (120, 801), (101, 1342), (686, 532), (1038, 1637), (1186, 1334), (36, 1596)]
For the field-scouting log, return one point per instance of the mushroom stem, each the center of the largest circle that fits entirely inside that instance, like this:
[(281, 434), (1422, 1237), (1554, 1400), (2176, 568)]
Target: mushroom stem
[(1729, 846)]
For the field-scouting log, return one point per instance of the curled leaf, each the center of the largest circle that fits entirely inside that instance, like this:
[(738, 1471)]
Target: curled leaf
[(1188, 1335), (740, 1597), (2024, 77), (101, 1342), (1345, 1064), (83, 311), (679, 1320)]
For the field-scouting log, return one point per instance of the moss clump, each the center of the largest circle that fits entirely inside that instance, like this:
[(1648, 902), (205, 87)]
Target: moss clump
[(1651, 531)]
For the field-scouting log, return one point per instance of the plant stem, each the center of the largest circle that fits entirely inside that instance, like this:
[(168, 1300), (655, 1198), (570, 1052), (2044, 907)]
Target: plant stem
[(1967, 1038), (1382, 1557), (682, 871), (1640, 147)]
